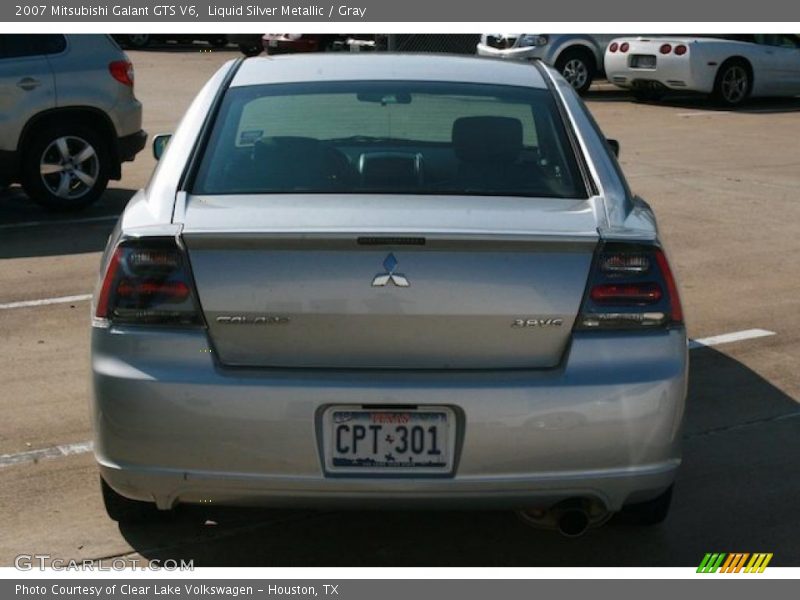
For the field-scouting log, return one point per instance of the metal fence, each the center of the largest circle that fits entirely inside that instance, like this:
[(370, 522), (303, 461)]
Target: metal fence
[(433, 42)]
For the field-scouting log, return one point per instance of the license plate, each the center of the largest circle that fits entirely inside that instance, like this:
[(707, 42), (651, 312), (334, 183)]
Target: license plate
[(643, 61), (358, 440)]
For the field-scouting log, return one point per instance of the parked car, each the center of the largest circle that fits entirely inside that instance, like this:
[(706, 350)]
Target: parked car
[(579, 58), (142, 40), (731, 68), (388, 280), (70, 116)]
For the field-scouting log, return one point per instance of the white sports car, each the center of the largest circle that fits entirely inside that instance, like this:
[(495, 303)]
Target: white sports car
[(731, 68)]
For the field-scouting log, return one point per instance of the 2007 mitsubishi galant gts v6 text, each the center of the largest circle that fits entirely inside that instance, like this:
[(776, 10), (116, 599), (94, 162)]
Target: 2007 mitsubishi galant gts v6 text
[(389, 281)]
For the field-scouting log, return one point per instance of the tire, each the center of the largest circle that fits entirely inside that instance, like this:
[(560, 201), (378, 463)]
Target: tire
[(124, 510), (51, 174), (137, 40), (733, 83), (577, 66), (648, 513), (250, 49)]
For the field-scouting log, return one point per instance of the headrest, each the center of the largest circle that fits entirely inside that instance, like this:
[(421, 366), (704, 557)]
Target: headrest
[(487, 139), (288, 161)]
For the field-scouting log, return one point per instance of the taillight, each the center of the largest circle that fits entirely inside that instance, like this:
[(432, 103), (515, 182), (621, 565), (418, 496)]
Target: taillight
[(613, 47), (665, 49), (623, 294), (122, 71), (148, 282), (680, 50), (624, 46), (672, 287), (630, 287)]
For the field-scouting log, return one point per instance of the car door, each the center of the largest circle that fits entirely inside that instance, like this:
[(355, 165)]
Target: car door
[(788, 46), (27, 85), (782, 61)]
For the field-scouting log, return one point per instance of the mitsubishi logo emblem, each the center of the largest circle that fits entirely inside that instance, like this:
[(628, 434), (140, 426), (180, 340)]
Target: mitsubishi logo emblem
[(398, 279)]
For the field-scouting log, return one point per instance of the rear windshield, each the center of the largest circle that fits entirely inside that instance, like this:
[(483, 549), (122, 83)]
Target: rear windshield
[(390, 138)]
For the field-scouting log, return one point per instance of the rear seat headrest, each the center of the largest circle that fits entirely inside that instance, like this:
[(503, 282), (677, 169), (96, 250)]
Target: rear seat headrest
[(487, 139)]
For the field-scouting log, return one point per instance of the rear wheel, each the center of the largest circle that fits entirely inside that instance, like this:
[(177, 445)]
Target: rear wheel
[(648, 513), (124, 510), (733, 84), (66, 167), (578, 68)]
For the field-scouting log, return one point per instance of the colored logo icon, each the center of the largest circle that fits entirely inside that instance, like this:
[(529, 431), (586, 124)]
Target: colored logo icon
[(737, 562)]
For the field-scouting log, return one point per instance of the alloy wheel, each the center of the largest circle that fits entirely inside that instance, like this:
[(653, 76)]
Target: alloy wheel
[(576, 73), (69, 167), (734, 84)]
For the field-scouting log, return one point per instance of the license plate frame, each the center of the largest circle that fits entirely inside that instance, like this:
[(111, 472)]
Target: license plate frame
[(644, 61), (443, 417)]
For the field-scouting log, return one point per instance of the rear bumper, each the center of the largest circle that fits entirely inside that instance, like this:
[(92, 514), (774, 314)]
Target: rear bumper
[(671, 73), (523, 53), (130, 145), (171, 426), (611, 488)]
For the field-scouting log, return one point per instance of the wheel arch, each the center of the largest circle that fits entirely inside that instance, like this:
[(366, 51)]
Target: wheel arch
[(584, 47), (740, 59), (85, 115)]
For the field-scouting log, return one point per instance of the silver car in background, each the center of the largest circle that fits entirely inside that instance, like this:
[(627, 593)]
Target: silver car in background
[(69, 116), (578, 57), (388, 281)]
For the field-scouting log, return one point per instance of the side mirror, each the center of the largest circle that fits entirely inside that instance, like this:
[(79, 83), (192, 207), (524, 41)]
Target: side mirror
[(614, 145), (160, 144)]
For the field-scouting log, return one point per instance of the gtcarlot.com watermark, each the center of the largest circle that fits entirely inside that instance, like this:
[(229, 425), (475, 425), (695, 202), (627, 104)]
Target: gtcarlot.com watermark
[(30, 562)]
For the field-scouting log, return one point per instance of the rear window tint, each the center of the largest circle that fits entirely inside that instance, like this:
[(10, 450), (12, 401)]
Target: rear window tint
[(389, 137)]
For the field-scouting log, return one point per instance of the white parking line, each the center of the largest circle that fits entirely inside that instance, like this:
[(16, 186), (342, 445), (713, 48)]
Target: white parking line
[(727, 338), (59, 222), (45, 301), (8, 460)]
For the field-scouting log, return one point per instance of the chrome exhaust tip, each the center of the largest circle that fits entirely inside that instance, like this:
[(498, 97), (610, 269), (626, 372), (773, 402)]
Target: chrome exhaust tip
[(571, 518)]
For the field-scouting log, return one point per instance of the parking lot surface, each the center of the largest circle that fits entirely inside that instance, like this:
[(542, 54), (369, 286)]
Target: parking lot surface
[(726, 188)]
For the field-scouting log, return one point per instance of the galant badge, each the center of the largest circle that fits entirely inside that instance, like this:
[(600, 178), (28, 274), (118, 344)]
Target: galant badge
[(398, 279)]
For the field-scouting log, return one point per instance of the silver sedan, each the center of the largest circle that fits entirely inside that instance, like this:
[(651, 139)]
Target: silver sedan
[(389, 281)]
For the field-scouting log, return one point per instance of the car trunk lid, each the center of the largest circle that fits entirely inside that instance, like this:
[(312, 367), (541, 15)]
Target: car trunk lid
[(389, 281)]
